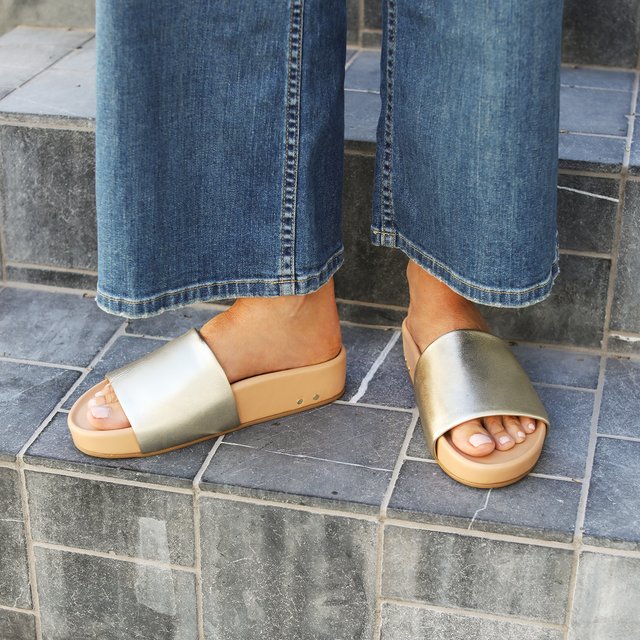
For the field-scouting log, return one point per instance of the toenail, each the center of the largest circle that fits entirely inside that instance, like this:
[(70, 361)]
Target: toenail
[(522, 434), (93, 402), (478, 439), (100, 412), (531, 426), (505, 440)]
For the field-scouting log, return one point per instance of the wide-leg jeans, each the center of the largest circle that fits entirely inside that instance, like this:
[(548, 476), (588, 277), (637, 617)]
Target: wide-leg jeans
[(220, 142)]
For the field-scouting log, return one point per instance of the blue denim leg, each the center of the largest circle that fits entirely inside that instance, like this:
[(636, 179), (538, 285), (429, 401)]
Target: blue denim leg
[(219, 141), (466, 163)]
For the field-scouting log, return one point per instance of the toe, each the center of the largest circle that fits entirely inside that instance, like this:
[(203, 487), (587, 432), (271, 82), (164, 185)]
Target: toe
[(529, 424), (496, 428), (514, 428), (471, 438), (104, 411)]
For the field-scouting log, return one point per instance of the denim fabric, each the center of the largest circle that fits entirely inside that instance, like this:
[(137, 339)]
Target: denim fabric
[(467, 154), (220, 139)]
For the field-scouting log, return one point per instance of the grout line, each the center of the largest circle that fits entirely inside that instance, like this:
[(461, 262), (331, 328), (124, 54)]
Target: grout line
[(374, 367), (31, 559), (353, 57), (588, 174), (46, 267), (33, 286), (482, 508), (44, 125), (579, 86), (366, 405), (584, 254), (547, 476), (298, 455), (588, 193), (474, 614), (612, 437), (7, 607), (375, 305), (402, 456), (205, 464), (377, 93), (113, 556), (592, 135), (626, 336), (102, 478), (550, 385), (65, 367)]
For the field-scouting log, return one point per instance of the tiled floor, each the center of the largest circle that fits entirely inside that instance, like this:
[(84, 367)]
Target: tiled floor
[(334, 523), (345, 500)]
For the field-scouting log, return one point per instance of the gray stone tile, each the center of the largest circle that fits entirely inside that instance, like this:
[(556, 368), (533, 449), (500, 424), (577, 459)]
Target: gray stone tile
[(17, 625), (566, 447), (18, 64), (606, 599), (594, 111), (83, 596), (590, 153), (43, 221), (369, 274), (88, 514), (458, 571), (372, 14), (418, 445), (620, 409), (401, 622), (634, 155), (391, 385), (364, 72), (340, 456), (624, 344), (82, 58), (52, 278), (533, 507), (553, 366), (15, 590), (599, 33), (54, 449), (53, 327), (28, 394), (123, 351), (363, 346), (50, 13), (350, 54), (596, 78), (271, 572), (372, 39), (572, 315), (361, 113), (5, 91), (369, 314), (587, 222), (353, 21), (625, 311), (35, 37), (61, 92), (613, 507), (172, 324)]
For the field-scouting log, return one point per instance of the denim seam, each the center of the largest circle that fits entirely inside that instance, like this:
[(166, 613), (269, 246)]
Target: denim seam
[(465, 282), (291, 143), (290, 281), (385, 192)]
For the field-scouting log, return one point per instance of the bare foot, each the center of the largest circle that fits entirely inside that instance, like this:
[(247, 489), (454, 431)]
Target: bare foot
[(255, 336), (435, 310)]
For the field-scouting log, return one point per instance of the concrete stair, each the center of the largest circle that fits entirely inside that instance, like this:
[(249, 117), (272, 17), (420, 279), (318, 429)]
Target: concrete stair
[(335, 523)]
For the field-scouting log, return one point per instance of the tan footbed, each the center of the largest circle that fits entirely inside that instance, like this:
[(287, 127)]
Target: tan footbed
[(499, 468), (258, 399)]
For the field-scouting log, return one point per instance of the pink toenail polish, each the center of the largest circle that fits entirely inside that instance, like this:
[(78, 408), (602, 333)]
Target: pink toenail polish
[(478, 439), (521, 434), (100, 412), (505, 440), (93, 402)]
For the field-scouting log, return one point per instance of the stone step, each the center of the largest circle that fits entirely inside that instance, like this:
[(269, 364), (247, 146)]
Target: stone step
[(47, 210), (334, 523)]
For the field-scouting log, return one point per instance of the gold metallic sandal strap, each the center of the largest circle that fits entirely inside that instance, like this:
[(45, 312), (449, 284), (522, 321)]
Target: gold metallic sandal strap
[(470, 374), (175, 395)]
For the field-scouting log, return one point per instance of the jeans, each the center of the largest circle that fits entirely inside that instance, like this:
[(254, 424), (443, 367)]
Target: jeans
[(220, 136)]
